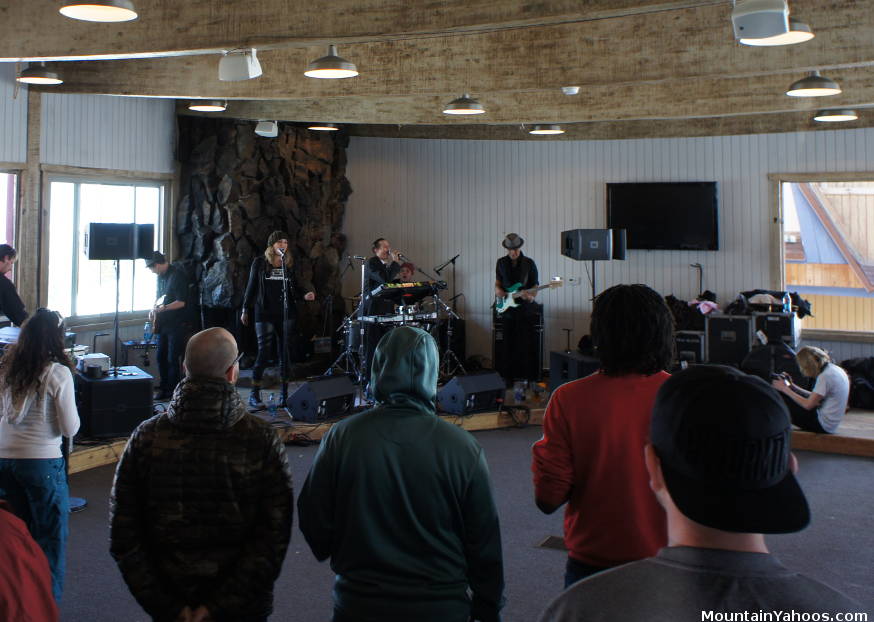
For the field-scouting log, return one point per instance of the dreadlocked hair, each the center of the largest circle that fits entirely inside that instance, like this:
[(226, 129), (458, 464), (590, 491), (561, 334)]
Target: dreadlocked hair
[(632, 331), (40, 343)]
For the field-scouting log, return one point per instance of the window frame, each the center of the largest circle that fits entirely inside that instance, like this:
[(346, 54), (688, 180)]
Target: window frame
[(69, 174), (11, 168), (778, 251)]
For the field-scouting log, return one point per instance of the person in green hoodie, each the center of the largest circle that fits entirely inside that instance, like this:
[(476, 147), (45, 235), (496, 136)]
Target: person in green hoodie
[(400, 501)]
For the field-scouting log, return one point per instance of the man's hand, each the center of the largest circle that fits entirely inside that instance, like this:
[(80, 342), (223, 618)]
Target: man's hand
[(201, 614), (244, 318), (396, 256), (310, 296)]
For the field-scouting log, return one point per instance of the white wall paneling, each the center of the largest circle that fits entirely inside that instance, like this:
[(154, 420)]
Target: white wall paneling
[(13, 117), (435, 198), (101, 131)]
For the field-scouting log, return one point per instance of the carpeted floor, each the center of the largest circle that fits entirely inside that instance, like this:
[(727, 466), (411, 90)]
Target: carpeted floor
[(837, 548)]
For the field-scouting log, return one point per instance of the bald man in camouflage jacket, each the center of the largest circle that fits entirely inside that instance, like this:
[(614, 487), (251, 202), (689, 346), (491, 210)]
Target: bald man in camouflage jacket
[(201, 506)]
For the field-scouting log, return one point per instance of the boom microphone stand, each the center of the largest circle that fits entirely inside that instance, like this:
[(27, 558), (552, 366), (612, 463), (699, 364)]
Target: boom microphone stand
[(454, 298), (283, 361)]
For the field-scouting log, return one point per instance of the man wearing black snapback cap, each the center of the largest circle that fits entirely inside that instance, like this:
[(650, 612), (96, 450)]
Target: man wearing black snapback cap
[(720, 464)]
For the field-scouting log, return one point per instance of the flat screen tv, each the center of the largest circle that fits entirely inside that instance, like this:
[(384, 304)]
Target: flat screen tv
[(665, 216)]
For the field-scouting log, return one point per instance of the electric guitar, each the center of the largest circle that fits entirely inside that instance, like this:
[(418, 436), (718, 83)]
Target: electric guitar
[(516, 291)]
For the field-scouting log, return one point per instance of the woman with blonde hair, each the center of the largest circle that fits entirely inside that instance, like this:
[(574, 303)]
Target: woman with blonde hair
[(37, 409), (821, 409), (263, 299)]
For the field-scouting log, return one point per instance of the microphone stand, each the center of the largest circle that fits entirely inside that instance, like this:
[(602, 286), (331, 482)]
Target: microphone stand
[(283, 367), (454, 298)]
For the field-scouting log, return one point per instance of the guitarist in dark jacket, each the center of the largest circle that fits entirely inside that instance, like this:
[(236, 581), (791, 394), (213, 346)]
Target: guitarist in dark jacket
[(516, 355), (170, 319)]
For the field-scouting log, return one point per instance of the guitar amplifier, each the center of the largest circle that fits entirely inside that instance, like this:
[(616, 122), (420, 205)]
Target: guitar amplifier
[(729, 338), (690, 345), (779, 327), (113, 406)]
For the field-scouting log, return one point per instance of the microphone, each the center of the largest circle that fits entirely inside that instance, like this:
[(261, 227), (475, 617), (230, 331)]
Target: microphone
[(361, 257), (281, 252)]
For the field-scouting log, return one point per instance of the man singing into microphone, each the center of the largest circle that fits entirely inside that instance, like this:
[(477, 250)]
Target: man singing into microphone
[(383, 267)]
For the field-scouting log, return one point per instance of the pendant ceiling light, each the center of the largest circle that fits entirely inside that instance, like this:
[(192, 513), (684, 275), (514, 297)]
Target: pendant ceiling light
[(38, 74), (814, 85), (208, 106), (323, 127), (464, 105), (799, 32), (331, 67), (267, 129), (99, 10), (836, 115), (239, 65), (546, 130)]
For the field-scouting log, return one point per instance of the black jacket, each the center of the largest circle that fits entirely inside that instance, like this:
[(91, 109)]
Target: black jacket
[(254, 298), (10, 302), (201, 507), (375, 274)]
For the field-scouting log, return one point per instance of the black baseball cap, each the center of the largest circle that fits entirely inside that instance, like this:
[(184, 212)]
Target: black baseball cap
[(723, 438), (156, 257)]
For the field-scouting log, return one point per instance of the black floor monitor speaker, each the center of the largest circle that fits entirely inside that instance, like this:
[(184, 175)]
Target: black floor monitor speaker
[(774, 358), (779, 327), (729, 338), (472, 393), (587, 244), (322, 398), (113, 406), (567, 366)]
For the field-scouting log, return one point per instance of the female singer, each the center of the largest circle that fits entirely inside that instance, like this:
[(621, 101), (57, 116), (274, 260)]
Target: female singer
[(264, 295), (37, 408)]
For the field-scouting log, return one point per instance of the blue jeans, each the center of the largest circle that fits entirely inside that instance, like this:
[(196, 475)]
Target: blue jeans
[(576, 570), (37, 491), (171, 350)]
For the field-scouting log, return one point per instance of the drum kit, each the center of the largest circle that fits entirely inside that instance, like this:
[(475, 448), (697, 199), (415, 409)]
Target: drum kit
[(417, 304)]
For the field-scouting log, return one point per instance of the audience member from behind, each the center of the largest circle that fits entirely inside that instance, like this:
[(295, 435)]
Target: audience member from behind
[(720, 465), (37, 409), (400, 500), (201, 506), (10, 302), (822, 409), (594, 431), (25, 578)]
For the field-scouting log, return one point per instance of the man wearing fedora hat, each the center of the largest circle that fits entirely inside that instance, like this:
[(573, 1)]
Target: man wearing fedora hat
[(516, 355), (720, 464)]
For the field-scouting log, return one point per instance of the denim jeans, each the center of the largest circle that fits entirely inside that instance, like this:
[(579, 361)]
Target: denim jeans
[(171, 350), (37, 491)]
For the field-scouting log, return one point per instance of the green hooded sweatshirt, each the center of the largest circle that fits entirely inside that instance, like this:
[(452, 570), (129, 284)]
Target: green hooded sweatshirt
[(400, 500)]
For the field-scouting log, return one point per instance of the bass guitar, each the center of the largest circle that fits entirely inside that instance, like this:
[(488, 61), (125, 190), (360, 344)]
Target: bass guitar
[(516, 291)]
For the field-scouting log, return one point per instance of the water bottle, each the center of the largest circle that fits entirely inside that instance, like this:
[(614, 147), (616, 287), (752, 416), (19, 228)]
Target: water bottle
[(787, 303), (147, 332), (271, 404)]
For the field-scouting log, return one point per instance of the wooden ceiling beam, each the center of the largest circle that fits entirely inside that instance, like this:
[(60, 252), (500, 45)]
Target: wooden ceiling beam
[(676, 99), (34, 30)]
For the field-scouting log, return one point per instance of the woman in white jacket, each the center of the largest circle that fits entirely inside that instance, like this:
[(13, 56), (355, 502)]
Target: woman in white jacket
[(38, 408)]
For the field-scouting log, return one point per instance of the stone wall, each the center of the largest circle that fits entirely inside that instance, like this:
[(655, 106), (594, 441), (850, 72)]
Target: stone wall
[(237, 187)]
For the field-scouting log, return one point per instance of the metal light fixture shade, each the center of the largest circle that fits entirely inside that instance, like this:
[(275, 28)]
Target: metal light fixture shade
[(799, 32), (239, 65), (464, 105), (331, 67), (99, 10), (38, 74), (545, 130), (814, 85), (267, 129), (836, 115), (207, 105), (323, 127)]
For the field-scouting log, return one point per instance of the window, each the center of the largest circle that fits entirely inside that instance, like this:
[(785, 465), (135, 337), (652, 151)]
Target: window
[(8, 193), (828, 251), (78, 286)]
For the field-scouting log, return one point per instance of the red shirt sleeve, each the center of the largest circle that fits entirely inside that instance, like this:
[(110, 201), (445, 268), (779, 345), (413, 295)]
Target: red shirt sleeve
[(553, 464)]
